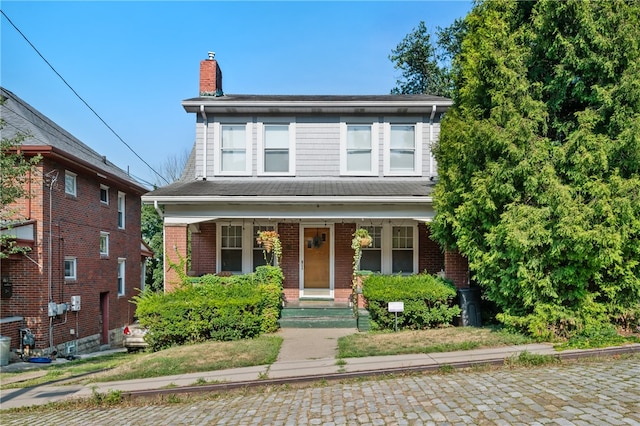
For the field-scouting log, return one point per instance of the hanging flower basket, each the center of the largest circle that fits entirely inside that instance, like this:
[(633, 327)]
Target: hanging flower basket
[(365, 242), (270, 242)]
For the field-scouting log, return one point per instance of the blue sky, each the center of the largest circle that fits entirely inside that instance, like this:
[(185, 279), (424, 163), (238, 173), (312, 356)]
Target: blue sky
[(134, 62)]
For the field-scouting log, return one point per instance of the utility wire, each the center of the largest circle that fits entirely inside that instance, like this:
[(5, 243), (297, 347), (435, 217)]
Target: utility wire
[(80, 97)]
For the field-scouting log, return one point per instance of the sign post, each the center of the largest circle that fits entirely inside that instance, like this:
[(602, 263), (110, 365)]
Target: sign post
[(396, 307)]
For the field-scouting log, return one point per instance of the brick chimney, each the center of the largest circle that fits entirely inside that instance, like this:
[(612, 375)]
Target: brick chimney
[(210, 77)]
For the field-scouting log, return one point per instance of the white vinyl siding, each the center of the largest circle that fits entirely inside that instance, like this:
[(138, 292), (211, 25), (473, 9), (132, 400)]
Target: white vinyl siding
[(318, 147)]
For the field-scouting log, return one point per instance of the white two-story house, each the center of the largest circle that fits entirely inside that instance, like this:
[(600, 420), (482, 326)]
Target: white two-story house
[(313, 168)]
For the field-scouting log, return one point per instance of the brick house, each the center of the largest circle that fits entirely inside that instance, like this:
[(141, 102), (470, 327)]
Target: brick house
[(314, 168), (73, 289)]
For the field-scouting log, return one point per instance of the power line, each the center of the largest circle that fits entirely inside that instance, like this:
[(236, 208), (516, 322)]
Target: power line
[(81, 99)]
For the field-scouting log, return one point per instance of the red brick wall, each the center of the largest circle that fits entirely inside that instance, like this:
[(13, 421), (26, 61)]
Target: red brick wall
[(175, 247), (456, 269), (430, 256), (343, 262), (74, 227), (290, 240), (203, 249), (210, 77)]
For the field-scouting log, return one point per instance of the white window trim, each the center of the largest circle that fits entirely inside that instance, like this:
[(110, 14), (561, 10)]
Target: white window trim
[(417, 160), (122, 269), (122, 196), (247, 242), (374, 147), (292, 145), (387, 246), (74, 191), (106, 235), (106, 188), (73, 277), (217, 145)]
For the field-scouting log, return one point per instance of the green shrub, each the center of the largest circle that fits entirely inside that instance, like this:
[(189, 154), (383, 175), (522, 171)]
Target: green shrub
[(427, 301), (213, 308)]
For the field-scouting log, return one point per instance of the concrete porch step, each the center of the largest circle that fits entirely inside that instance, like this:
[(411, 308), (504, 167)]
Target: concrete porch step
[(306, 315)]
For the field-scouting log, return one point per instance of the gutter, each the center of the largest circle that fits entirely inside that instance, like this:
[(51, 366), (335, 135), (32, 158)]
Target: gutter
[(314, 199), (204, 147), (433, 114)]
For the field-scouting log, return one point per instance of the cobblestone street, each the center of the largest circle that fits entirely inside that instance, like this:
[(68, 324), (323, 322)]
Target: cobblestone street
[(605, 392)]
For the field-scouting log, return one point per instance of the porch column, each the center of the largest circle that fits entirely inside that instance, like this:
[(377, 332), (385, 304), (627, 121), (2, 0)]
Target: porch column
[(175, 247), (456, 268)]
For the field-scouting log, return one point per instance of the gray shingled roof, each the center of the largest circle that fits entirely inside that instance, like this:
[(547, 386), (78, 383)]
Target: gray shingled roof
[(296, 187), (20, 117)]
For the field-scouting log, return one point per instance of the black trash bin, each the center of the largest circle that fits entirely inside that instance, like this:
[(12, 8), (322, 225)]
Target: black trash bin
[(470, 306)]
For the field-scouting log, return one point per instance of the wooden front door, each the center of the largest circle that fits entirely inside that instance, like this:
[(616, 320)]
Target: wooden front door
[(317, 252)]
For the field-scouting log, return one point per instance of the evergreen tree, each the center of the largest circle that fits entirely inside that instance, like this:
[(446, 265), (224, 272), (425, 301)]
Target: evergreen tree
[(539, 162)]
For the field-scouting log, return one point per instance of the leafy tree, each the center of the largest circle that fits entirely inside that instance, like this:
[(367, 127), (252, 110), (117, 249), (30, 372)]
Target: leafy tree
[(171, 169), (539, 162), (418, 60), (15, 170)]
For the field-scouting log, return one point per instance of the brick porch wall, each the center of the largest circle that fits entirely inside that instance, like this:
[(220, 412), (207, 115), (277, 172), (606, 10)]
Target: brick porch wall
[(203, 250), (175, 238), (430, 256), (290, 240), (343, 263), (456, 268)]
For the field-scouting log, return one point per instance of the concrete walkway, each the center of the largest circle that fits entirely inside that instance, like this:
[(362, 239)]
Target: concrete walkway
[(306, 354)]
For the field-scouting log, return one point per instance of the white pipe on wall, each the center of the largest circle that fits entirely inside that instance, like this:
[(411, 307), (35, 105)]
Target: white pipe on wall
[(204, 145)]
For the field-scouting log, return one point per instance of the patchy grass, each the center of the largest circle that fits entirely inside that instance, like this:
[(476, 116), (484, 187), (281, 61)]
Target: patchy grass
[(208, 356), (425, 341)]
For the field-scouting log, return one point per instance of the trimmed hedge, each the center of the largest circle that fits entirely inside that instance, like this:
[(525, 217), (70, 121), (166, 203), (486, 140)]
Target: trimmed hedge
[(213, 308), (428, 301)]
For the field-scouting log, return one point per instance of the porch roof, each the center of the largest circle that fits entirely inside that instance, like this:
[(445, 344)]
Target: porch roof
[(293, 190)]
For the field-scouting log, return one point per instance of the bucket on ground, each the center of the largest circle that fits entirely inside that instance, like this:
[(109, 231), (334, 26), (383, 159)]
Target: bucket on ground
[(5, 348)]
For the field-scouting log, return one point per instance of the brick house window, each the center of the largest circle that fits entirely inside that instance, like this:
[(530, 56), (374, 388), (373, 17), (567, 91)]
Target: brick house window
[(104, 244), (104, 194), (70, 268), (121, 272), (121, 210), (70, 183)]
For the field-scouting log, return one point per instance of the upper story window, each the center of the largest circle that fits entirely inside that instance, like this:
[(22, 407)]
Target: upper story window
[(104, 244), (104, 194), (70, 268), (121, 272), (403, 150), (70, 183), (121, 210), (276, 149), (233, 148), (358, 149)]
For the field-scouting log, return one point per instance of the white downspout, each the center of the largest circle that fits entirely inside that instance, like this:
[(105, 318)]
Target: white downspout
[(433, 114), (204, 147)]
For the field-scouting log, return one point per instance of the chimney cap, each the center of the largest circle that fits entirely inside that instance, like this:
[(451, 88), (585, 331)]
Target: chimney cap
[(211, 55)]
